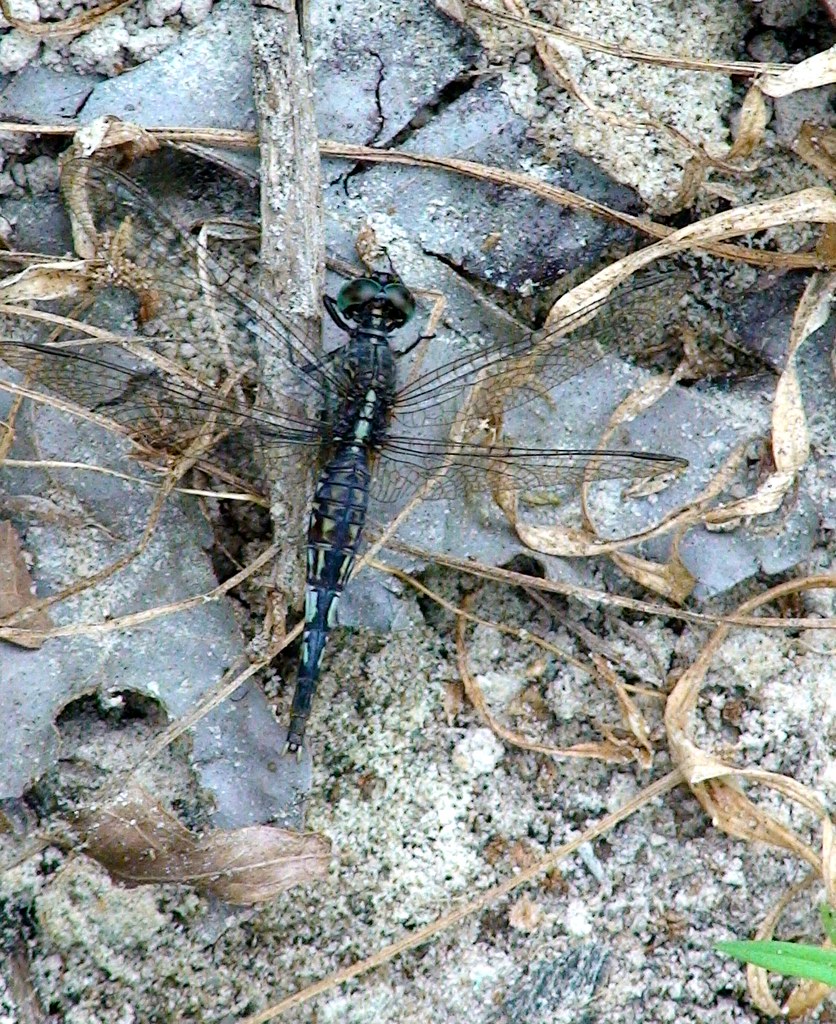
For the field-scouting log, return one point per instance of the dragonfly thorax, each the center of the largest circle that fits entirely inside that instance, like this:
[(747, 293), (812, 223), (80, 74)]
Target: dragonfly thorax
[(360, 415)]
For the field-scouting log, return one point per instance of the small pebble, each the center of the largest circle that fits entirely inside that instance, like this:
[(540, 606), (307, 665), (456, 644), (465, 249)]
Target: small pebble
[(16, 50), (42, 175), (148, 42), (7, 184), (195, 11), (766, 47), (18, 172), (159, 11), (478, 752)]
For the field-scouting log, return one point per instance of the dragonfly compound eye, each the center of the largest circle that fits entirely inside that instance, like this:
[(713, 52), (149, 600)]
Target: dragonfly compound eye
[(401, 300), (354, 295)]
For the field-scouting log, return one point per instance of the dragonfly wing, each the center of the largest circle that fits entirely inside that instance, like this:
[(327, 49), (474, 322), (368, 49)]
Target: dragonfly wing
[(176, 297), (162, 410), (516, 369), (409, 463), (187, 290)]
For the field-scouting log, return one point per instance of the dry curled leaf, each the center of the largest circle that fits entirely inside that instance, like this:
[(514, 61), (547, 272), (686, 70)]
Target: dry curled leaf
[(817, 145), (716, 784), (16, 589), (820, 69), (671, 579), (45, 282), (790, 437), (104, 136), (140, 842)]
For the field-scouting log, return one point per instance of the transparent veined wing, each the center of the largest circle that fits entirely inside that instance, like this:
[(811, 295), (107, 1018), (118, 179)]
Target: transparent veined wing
[(407, 464), (161, 409), (513, 370)]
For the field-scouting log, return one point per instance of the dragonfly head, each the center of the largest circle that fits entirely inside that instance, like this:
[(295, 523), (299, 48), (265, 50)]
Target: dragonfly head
[(383, 302)]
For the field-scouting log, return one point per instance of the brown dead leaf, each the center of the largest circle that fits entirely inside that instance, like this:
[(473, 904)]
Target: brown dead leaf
[(44, 282), (751, 124), (817, 145), (16, 589), (140, 842)]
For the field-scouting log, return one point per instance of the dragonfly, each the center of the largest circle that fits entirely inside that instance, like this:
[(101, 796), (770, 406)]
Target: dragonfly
[(357, 417)]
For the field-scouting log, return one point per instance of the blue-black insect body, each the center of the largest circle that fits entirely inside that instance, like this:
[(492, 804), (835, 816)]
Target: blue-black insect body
[(368, 309), (375, 437)]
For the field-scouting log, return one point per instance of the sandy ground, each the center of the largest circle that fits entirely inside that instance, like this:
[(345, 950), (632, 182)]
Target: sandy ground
[(424, 805)]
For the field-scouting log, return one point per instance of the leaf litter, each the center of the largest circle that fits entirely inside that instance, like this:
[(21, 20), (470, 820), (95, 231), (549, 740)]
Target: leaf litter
[(710, 778)]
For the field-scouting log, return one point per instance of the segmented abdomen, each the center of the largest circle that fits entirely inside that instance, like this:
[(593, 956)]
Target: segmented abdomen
[(334, 532)]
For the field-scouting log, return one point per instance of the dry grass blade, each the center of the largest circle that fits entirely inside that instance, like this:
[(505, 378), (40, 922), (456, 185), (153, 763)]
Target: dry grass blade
[(141, 842), (812, 205), (518, 579), (496, 176), (757, 977), (609, 750), (790, 437), (570, 542), (717, 67), (614, 750), (109, 135), (551, 193), (16, 590), (716, 784), (44, 282), (70, 26)]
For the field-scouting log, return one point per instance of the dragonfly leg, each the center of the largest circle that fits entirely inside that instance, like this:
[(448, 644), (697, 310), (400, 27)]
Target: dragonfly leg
[(413, 345), (332, 309)]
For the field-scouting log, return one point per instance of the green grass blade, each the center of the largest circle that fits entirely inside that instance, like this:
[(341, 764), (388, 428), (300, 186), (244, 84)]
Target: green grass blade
[(828, 921), (790, 958)]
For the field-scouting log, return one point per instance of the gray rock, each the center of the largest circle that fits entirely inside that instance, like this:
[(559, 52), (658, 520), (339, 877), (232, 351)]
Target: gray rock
[(377, 65), (173, 659), (205, 80), (44, 96), (502, 236)]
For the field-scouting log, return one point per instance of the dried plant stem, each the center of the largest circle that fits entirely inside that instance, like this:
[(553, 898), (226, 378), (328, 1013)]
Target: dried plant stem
[(292, 240), (471, 169)]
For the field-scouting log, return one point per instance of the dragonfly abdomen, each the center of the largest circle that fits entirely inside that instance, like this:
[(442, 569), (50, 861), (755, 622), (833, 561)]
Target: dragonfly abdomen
[(334, 533)]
